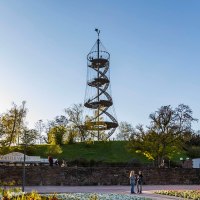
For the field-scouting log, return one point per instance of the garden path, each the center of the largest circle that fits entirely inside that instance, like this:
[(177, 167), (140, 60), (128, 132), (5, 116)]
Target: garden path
[(148, 190)]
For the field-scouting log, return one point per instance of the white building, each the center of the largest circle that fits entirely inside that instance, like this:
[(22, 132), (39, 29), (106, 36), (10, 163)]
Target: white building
[(196, 163)]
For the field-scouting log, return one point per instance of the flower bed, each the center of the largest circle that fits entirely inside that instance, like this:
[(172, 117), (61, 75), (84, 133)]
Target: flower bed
[(18, 195), (92, 196), (187, 194)]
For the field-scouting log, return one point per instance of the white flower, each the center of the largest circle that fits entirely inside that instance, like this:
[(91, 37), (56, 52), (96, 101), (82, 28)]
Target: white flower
[(94, 196)]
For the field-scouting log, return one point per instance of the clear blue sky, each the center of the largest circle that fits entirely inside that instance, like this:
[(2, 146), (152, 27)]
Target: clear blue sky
[(154, 46)]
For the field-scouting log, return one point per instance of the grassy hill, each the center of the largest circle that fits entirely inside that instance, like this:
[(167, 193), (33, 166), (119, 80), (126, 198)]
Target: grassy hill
[(112, 151)]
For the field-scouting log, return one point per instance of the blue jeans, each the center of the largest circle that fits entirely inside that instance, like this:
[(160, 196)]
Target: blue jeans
[(132, 187)]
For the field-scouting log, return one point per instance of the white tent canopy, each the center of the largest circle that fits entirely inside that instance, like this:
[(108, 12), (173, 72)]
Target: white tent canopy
[(17, 157)]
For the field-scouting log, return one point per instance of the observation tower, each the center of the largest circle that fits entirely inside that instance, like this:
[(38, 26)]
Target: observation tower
[(100, 115)]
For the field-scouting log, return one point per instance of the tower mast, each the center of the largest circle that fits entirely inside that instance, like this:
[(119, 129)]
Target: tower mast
[(98, 41), (98, 98)]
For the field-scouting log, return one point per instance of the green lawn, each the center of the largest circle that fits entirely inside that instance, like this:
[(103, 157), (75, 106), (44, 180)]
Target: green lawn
[(112, 151)]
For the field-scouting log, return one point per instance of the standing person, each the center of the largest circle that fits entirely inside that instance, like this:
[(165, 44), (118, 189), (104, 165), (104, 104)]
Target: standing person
[(139, 182), (50, 161), (132, 181), (64, 164)]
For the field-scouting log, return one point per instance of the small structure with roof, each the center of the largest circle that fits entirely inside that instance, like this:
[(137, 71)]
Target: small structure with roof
[(17, 158)]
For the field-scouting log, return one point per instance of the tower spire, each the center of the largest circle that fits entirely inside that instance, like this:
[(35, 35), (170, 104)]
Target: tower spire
[(98, 32)]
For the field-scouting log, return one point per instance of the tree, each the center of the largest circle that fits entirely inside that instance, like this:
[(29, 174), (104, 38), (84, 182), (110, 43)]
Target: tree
[(2, 135), (194, 139), (168, 131), (53, 150), (39, 127), (70, 136), (60, 121), (125, 131), (29, 136), (56, 122), (12, 123), (75, 119), (55, 135)]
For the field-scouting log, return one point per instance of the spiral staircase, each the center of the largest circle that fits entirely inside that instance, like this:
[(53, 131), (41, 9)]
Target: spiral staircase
[(100, 100)]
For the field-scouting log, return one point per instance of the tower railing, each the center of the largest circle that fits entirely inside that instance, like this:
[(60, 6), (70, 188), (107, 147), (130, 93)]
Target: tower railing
[(98, 61)]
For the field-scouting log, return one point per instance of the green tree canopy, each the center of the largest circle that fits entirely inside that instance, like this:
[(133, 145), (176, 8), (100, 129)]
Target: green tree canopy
[(75, 120), (29, 136), (167, 133), (125, 131), (12, 123), (55, 135)]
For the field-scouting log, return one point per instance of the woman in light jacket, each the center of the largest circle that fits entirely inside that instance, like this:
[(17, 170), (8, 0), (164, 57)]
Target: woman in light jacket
[(132, 181)]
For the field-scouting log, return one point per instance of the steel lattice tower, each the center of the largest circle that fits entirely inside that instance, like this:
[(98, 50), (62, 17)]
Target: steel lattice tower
[(98, 98)]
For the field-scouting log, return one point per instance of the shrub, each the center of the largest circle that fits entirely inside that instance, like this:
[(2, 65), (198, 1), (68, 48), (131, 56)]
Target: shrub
[(54, 150)]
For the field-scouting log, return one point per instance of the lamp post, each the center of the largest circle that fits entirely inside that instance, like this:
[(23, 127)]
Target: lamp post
[(187, 160), (24, 163), (23, 176), (182, 160)]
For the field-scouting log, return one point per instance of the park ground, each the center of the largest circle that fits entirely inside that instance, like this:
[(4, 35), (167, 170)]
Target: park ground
[(148, 190)]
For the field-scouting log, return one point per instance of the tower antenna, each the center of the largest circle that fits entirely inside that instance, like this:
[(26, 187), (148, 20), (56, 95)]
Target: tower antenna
[(98, 32)]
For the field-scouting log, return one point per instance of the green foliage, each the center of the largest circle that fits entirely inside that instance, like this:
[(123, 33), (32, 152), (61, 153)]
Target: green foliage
[(193, 152), (165, 136), (16, 194), (53, 150), (55, 135), (125, 131), (29, 137), (70, 135), (4, 150), (149, 144), (111, 151), (30, 150), (12, 124), (75, 120), (187, 194), (194, 139), (89, 143), (94, 197), (10, 183), (108, 152), (9, 195), (13, 189)]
